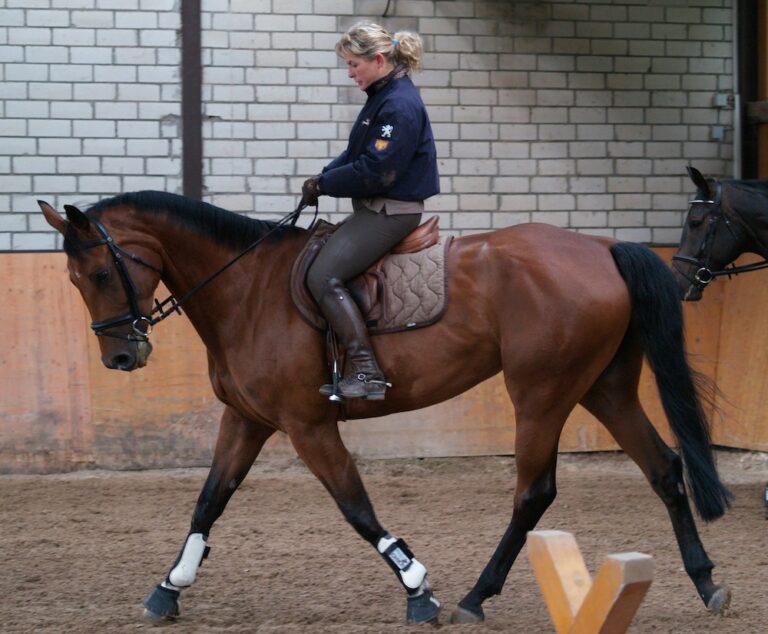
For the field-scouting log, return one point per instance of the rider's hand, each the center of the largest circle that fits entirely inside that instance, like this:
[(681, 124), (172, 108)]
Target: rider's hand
[(310, 191)]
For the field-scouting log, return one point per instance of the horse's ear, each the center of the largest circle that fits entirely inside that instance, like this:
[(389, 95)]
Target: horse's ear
[(78, 219), (698, 179), (52, 216)]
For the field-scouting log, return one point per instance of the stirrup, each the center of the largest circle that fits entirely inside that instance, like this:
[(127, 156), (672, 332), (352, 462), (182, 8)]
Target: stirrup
[(332, 392), (335, 391)]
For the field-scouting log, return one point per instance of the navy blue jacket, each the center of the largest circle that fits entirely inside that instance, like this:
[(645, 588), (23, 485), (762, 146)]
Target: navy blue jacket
[(391, 151)]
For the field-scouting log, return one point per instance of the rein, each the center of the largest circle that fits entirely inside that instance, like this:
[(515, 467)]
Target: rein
[(142, 324), (704, 274)]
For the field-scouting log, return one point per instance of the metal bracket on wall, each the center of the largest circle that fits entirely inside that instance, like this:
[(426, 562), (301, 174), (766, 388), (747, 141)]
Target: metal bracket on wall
[(757, 112)]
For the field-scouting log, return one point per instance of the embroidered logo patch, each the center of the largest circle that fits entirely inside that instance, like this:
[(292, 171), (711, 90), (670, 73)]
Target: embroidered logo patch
[(386, 130), (367, 122), (381, 144)]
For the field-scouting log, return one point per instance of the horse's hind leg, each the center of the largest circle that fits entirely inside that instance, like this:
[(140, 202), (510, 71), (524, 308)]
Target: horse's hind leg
[(323, 451), (613, 400), (239, 442), (536, 460)]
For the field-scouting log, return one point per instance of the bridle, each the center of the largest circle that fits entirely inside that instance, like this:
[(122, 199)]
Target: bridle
[(702, 260), (141, 323)]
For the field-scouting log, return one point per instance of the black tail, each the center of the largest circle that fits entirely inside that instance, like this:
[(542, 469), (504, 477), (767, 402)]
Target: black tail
[(658, 317)]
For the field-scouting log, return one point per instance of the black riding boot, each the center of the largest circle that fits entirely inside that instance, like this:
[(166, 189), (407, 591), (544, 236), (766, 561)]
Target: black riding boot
[(362, 376)]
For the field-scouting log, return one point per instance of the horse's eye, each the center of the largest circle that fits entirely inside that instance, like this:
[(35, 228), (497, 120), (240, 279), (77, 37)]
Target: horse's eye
[(697, 216), (100, 278)]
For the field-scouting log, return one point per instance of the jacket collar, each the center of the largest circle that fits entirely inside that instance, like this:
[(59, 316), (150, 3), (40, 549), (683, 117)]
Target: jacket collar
[(397, 73)]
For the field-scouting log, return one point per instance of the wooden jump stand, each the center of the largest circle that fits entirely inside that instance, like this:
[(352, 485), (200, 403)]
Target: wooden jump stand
[(576, 603)]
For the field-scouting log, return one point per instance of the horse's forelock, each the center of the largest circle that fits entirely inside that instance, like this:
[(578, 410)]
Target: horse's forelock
[(73, 247), (73, 238)]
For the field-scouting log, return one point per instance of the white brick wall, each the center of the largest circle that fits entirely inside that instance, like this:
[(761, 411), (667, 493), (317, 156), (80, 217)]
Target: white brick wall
[(86, 85), (582, 115)]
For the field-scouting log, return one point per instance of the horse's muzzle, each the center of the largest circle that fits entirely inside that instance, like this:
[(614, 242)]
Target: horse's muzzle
[(692, 294), (130, 358), (689, 286)]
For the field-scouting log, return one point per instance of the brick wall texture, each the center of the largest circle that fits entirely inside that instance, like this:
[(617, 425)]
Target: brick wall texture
[(579, 114)]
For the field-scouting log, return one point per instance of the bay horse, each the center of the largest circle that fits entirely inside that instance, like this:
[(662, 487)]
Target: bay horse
[(566, 317)]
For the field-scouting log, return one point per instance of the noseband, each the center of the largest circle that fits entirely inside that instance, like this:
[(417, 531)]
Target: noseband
[(704, 273)]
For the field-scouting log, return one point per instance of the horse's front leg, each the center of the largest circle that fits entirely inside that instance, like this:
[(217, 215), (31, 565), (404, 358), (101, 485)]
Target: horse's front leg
[(239, 442), (323, 451)]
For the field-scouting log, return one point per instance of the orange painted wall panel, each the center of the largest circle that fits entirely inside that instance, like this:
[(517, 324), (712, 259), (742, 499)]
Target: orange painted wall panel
[(742, 369), (162, 415), (62, 409), (45, 391)]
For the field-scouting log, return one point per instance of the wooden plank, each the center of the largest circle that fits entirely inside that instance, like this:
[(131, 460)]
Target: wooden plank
[(616, 593), (45, 390), (576, 603), (62, 407), (562, 575), (757, 112), (743, 357), (162, 415)]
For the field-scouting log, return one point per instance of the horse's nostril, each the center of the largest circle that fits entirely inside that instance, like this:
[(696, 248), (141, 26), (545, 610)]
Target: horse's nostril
[(124, 361)]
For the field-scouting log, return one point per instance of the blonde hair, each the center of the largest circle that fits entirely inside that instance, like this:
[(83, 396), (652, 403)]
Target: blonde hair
[(366, 39)]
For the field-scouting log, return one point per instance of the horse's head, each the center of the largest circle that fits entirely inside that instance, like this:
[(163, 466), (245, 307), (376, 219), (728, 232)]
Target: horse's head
[(710, 239), (117, 284)]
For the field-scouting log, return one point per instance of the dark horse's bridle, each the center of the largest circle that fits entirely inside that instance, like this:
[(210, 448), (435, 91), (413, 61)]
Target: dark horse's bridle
[(141, 324), (702, 260)]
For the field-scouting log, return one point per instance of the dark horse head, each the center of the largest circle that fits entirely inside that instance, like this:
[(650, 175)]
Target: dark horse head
[(118, 251), (117, 283), (725, 219)]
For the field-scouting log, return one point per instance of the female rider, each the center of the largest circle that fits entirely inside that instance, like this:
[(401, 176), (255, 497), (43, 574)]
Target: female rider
[(388, 169)]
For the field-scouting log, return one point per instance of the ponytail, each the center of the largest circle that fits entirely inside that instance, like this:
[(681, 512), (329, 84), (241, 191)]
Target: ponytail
[(367, 40)]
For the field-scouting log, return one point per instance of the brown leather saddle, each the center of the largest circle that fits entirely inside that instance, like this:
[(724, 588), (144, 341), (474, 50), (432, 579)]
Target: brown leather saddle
[(371, 290)]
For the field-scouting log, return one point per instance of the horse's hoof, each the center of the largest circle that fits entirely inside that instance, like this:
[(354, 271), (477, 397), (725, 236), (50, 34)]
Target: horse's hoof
[(462, 615), (720, 601), (424, 608), (156, 619), (162, 605)]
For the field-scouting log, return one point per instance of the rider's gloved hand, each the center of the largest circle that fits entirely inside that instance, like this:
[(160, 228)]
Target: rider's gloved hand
[(310, 191)]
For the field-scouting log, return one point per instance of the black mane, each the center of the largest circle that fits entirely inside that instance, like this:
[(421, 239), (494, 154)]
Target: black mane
[(226, 227), (755, 186)]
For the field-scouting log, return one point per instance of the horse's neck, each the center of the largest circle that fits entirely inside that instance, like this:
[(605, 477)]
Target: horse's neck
[(753, 214), (191, 259)]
